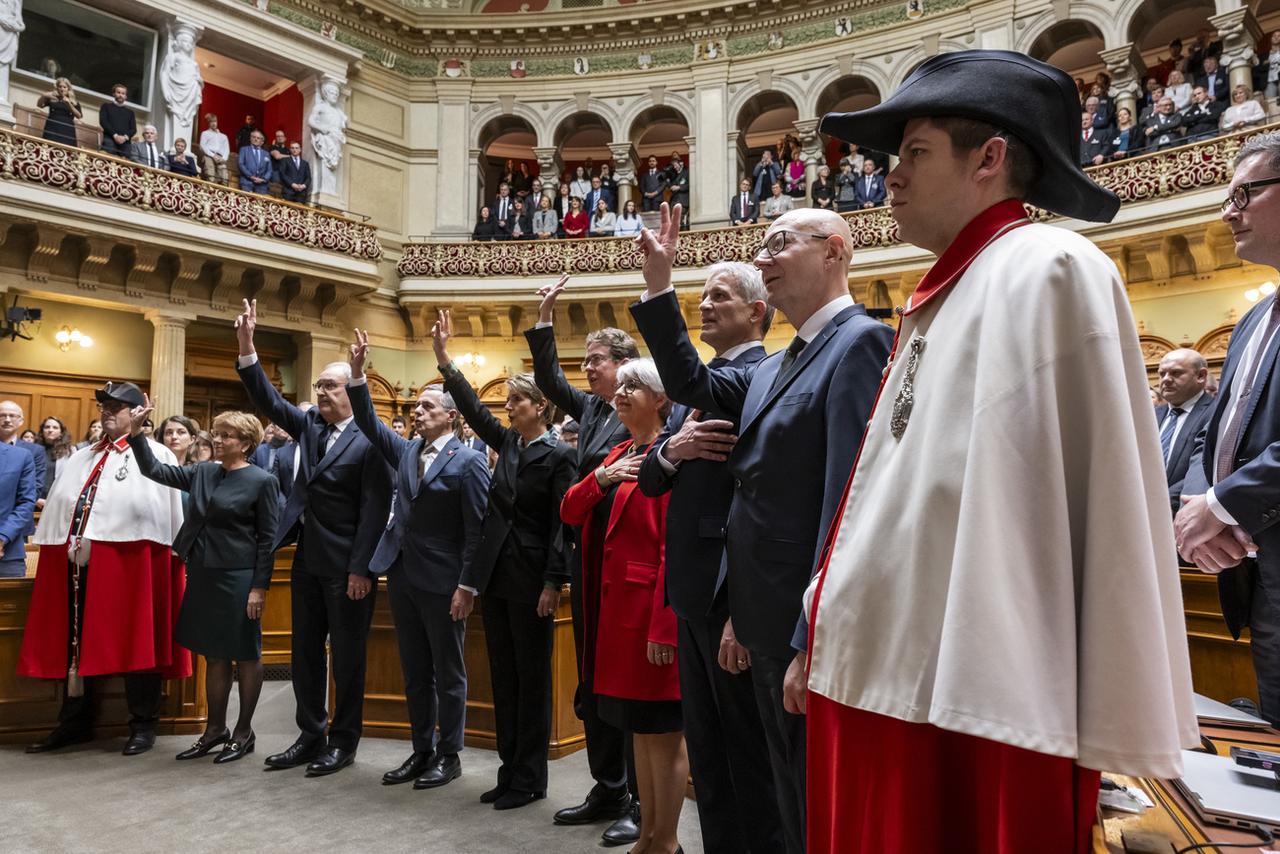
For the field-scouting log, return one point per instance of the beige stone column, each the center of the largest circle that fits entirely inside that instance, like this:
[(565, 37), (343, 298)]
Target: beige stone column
[(549, 168), (315, 350), (1127, 70), (811, 151), (168, 362), (711, 181), (1239, 31), (455, 211), (624, 172)]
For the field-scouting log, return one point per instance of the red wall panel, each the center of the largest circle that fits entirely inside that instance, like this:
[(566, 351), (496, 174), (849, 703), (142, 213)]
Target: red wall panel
[(230, 108), (283, 112)]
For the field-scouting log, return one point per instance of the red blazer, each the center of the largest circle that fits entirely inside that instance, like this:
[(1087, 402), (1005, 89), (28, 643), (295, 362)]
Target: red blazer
[(576, 221), (630, 585)]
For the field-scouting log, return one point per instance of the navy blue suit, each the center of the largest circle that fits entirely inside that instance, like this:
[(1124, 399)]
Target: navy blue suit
[(18, 491), (1175, 468), (589, 204), (40, 460), (427, 550), (797, 440), (300, 174), (876, 195), (254, 162)]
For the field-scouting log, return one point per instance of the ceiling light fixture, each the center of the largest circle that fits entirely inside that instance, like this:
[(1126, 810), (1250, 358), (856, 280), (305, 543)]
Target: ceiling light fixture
[(68, 335)]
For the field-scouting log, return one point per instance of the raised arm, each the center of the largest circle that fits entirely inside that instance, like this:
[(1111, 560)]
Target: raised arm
[(389, 445), (266, 398), (546, 361), (488, 428), (176, 477)]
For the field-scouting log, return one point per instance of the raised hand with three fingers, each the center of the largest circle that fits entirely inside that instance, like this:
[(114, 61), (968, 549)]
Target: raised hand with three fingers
[(660, 249), (246, 323), (138, 415), (359, 352)]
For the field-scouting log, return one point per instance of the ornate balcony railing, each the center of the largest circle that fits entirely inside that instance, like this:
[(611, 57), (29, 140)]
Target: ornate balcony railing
[(1150, 176), (89, 173)]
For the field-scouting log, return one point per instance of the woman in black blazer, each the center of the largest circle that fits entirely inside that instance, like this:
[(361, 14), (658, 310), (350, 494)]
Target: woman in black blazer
[(521, 565), (226, 541)]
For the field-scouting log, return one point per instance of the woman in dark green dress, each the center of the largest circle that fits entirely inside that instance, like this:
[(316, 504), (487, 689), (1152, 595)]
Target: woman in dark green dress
[(226, 539)]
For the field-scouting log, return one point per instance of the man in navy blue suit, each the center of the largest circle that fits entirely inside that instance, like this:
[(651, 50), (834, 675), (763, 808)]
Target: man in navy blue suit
[(1184, 378), (1215, 81), (254, 164), (295, 175), (869, 192), (597, 193), (11, 420), (737, 804), (1228, 523), (17, 507), (797, 411)]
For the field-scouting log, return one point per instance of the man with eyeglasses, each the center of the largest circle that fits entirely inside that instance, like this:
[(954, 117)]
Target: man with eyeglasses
[(1231, 500), (800, 412), (107, 588), (613, 795), (336, 512), (11, 420)]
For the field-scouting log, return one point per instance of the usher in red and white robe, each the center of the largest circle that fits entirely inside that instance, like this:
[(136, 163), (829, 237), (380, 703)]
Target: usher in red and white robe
[(999, 615)]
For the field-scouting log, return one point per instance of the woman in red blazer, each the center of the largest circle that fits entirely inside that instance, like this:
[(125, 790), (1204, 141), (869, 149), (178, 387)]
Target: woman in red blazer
[(630, 643)]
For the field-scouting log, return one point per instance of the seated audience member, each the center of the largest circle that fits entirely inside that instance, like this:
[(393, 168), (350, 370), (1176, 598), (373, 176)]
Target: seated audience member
[(653, 183), (215, 148), (503, 208), (597, 194), (847, 187), (521, 222), (1093, 144), (254, 164), (545, 221), (1244, 111), (118, 123), (295, 175), (148, 152), (279, 150), (777, 204), (575, 222), (580, 185), (603, 221), (1162, 129), (244, 136), (1125, 140), (629, 223), (226, 540), (823, 192), (1150, 109), (64, 109), (765, 174), (1179, 90), (1268, 70), (19, 492), (485, 228), (743, 208), (635, 679), (1214, 80), (1201, 119), (870, 190), (182, 162)]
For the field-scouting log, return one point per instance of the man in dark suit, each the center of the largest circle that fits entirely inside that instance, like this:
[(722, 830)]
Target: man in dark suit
[(793, 454), (743, 208), (501, 212), (336, 512), (729, 762), (1184, 374), (1214, 80), (1093, 142), (869, 192), (18, 492), (285, 469), (1161, 129), (427, 552), (653, 182), (472, 441), (295, 175), (600, 430), (11, 421), (597, 193), (1232, 495), (678, 181), (254, 164), (118, 123), (1202, 115)]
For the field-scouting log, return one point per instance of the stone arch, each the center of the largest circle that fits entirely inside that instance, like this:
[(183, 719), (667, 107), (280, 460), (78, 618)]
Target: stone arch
[(675, 101), (1152, 24), (490, 112), (1070, 45), (746, 91), (874, 78), (593, 106)]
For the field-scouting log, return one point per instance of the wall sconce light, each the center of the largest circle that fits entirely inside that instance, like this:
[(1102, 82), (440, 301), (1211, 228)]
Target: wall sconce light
[(1265, 289), (68, 335), (476, 359)]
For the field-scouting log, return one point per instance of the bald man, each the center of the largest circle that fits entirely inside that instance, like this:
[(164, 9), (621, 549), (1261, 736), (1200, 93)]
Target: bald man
[(1184, 381), (799, 414), (11, 421)]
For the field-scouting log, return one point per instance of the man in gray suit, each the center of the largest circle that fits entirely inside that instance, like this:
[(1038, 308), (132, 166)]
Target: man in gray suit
[(148, 151)]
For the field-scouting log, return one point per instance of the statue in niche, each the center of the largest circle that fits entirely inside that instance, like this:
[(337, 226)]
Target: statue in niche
[(328, 124), (11, 25), (181, 83)]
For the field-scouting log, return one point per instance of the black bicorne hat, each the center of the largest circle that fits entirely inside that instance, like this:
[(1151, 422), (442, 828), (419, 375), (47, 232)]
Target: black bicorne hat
[(1031, 99), (121, 393)]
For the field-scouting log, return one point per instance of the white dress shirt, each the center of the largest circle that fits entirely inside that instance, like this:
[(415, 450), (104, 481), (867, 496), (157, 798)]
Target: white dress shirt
[(215, 142), (1186, 408)]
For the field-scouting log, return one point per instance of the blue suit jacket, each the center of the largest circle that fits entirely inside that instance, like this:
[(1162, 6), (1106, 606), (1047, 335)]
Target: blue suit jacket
[(1175, 470), (796, 446), (877, 194), (435, 527), (251, 165), (18, 491), (701, 491), (589, 203), (40, 460)]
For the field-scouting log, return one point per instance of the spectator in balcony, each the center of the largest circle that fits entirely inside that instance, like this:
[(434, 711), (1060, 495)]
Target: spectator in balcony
[(793, 169), (1093, 141), (870, 191), (1124, 139), (823, 192), (1147, 106), (629, 223), (575, 222), (295, 175), (1175, 62), (119, 126), (215, 148), (535, 193), (766, 173), (561, 204), (521, 222), (580, 186), (503, 208), (596, 195), (244, 136), (1268, 70), (1201, 119), (855, 157), (743, 208), (279, 150), (1243, 112), (64, 109), (1204, 48), (1179, 90), (181, 162), (608, 184), (1101, 115), (545, 220), (148, 152), (678, 181), (777, 204), (603, 221), (520, 180), (1214, 80), (255, 165), (1162, 130), (486, 228), (653, 184), (847, 187)]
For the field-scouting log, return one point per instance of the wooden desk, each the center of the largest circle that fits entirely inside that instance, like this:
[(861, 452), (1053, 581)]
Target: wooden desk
[(1221, 666)]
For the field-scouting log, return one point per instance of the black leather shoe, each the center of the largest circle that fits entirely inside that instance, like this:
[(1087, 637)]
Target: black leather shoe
[(409, 769), (237, 749), (59, 739), (445, 768), (626, 829), (601, 804), (514, 800), (334, 759), (493, 794), (202, 748), (299, 753), (140, 741)]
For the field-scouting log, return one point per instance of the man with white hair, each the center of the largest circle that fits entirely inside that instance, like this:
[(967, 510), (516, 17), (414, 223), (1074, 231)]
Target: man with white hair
[(336, 511), (148, 151)]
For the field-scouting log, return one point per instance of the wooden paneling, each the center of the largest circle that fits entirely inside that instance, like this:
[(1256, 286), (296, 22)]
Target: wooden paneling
[(1221, 666), (277, 613), (63, 396)]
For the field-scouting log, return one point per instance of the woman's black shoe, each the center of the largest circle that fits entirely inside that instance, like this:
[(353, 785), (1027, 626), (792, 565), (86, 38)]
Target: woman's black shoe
[(202, 747), (236, 749), (514, 800), (493, 794)]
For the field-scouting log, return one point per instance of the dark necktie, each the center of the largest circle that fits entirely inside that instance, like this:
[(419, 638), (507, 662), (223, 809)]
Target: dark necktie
[(1231, 438), (1166, 432), (788, 359), (717, 362), (743, 211), (151, 154), (325, 435)]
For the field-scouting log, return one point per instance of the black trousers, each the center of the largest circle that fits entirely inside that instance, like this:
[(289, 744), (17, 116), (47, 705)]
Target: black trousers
[(435, 676), (737, 804), (141, 693), (784, 734), (1264, 644), (519, 644), (322, 610)]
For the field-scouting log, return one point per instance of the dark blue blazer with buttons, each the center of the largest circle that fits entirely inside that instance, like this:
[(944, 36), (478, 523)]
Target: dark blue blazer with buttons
[(1175, 468), (18, 492)]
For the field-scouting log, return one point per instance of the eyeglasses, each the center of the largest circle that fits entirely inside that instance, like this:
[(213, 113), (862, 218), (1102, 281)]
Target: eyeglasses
[(326, 385), (1240, 195), (594, 361), (777, 241), (630, 387)]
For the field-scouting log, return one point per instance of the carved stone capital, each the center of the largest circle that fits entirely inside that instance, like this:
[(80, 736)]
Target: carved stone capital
[(1127, 68), (1239, 31)]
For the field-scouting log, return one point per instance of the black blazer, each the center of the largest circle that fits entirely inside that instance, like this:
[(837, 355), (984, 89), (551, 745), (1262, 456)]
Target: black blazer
[(701, 491), (237, 522), (1097, 144), (346, 496), (1175, 470), (435, 528), (522, 520), (1221, 87), (291, 175), (598, 426), (735, 208), (796, 445), (655, 183)]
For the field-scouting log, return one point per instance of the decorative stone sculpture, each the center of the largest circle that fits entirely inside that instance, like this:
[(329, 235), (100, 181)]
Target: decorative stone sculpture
[(328, 125), (11, 25), (181, 83)]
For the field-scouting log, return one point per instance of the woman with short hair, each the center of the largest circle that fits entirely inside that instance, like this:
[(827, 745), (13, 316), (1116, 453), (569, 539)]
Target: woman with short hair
[(545, 221)]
